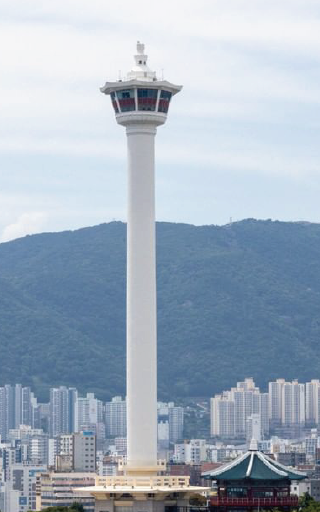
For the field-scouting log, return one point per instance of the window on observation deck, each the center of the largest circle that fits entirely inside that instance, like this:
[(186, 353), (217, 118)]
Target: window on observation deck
[(126, 100), (165, 97), (147, 99), (114, 103)]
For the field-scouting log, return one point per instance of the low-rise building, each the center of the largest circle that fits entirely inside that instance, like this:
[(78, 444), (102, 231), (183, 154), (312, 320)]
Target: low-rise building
[(19, 490), (60, 489)]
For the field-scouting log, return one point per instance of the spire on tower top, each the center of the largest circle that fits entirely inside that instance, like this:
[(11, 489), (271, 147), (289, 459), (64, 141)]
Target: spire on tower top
[(140, 47), (141, 70)]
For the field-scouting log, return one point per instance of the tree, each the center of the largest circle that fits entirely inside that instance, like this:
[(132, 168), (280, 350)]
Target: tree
[(308, 504), (75, 507)]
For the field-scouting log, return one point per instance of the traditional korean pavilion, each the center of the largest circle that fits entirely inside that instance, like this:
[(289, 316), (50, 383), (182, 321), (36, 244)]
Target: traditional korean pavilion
[(252, 482)]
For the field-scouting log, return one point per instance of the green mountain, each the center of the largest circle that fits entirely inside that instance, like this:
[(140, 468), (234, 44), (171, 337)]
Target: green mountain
[(233, 301)]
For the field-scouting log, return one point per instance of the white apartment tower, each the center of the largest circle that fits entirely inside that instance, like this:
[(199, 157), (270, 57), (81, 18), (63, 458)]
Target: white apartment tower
[(246, 397), (264, 413), (16, 408), (116, 417), (223, 416), (62, 410), (312, 402), (275, 401), (286, 403), (293, 404), (88, 411)]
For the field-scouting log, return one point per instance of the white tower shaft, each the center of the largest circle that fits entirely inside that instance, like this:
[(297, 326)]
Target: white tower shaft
[(141, 299), (141, 104)]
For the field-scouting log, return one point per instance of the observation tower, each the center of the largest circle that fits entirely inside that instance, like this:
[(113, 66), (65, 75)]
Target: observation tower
[(141, 103)]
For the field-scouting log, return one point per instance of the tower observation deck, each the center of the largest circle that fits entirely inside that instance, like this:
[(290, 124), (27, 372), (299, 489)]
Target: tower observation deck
[(141, 94)]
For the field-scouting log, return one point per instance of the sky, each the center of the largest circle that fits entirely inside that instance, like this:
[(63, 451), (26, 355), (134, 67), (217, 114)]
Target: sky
[(242, 138)]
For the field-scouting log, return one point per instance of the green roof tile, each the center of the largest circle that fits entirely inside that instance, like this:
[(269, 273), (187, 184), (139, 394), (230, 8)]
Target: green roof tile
[(256, 466)]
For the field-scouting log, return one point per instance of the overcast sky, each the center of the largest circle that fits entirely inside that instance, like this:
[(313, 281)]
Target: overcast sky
[(242, 138)]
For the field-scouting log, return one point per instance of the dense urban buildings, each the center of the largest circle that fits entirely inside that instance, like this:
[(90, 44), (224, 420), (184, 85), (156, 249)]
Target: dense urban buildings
[(286, 409), (76, 437)]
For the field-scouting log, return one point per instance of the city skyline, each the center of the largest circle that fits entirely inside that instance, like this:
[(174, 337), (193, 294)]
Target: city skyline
[(282, 405)]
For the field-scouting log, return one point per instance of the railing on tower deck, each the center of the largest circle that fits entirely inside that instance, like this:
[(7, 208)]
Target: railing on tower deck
[(161, 465), (286, 501), (152, 482)]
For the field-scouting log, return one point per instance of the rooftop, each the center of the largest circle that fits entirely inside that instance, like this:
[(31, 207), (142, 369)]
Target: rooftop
[(254, 465), (141, 485)]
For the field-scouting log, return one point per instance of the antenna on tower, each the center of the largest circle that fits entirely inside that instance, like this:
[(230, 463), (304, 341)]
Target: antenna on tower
[(162, 74)]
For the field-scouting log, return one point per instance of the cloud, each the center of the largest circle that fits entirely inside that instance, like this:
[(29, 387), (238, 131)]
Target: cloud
[(27, 224), (291, 24), (250, 103)]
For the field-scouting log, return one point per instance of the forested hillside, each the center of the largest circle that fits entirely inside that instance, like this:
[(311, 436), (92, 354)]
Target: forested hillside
[(233, 301)]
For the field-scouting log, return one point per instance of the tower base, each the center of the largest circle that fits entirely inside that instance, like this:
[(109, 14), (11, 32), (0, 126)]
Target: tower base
[(142, 493)]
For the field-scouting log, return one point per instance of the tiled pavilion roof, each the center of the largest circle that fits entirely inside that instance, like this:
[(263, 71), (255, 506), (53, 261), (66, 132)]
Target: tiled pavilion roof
[(253, 465)]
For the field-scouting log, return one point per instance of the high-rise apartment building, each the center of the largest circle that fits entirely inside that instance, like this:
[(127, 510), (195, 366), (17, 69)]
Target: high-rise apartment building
[(62, 410), (246, 397), (275, 402), (176, 422), (88, 411), (293, 404), (264, 414), (223, 416), (116, 417), (312, 403), (24, 404), (286, 403), (16, 408)]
